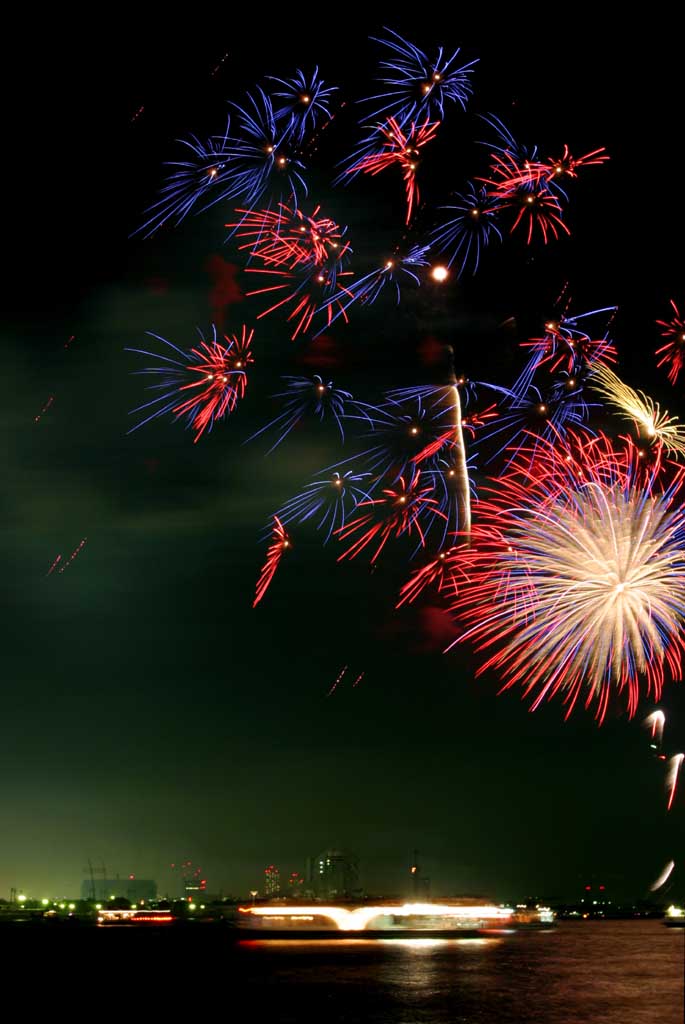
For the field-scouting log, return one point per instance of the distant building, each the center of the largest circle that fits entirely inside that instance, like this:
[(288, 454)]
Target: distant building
[(334, 874), (104, 889), (272, 881)]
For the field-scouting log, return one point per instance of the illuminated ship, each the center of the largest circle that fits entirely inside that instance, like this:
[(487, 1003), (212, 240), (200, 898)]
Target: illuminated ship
[(675, 917), (463, 918), (134, 918)]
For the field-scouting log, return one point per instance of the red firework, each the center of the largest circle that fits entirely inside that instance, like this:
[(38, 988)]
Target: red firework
[(288, 237), (567, 165), (401, 149), (280, 542), (309, 290), (526, 188), (220, 381), (673, 352), (395, 514), (440, 574), (566, 350)]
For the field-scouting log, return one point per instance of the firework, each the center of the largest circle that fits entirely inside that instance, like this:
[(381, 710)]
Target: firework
[(287, 236), (567, 165), (265, 154), (470, 228), (529, 193), (54, 566), (200, 181), (577, 579), (673, 352), (329, 500), (396, 513), (673, 773), (655, 723), (415, 85), (307, 289), (307, 397), (280, 542), (306, 100), (663, 877), (338, 679), (401, 149), (203, 385), (655, 426), (392, 273), (438, 574), (75, 553)]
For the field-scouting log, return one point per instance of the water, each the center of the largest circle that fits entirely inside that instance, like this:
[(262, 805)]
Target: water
[(607, 972), (621, 972)]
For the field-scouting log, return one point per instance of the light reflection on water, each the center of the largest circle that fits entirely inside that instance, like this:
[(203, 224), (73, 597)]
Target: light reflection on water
[(622, 972)]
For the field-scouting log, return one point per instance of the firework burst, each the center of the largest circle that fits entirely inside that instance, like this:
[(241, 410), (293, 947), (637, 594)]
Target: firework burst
[(577, 578), (673, 352), (654, 426), (202, 386)]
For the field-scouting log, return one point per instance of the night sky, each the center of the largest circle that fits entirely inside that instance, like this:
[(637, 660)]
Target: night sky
[(149, 714)]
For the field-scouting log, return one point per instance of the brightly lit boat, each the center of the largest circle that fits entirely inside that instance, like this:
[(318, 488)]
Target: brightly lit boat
[(675, 917), (134, 918), (464, 918)]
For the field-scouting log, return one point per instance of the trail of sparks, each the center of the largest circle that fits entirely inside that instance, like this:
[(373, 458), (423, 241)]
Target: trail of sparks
[(53, 566), (358, 679), (334, 687), (280, 542), (45, 408), (137, 114), (655, 723), (69, 340), (673, 773), (663, 877), (75, 553)]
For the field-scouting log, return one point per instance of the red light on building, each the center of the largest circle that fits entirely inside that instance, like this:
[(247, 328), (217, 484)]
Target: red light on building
[(588, 888), (602, 888)]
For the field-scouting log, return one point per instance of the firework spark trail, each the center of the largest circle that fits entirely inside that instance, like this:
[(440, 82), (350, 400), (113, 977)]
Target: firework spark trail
[(673, 773), (658, 427), (45, 408), (655, 722), (280, 542), (217, 68), (663, 877), (358, 679), (578, 576), (53, 566), (73, 555), (69, 340), (333, 688), (137, 114)]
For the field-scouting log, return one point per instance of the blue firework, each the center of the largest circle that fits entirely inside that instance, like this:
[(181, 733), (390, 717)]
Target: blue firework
[(408, 431), (307, 397), (416, 86), (393, 273), (472, 225), (265, 154), (203, 385), (305, 99), (194, 184), (327, 501), (535, 414)]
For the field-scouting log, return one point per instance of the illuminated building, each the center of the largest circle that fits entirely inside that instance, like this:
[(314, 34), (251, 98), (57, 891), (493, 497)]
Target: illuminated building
[(272, 880), (334, 875), (129, 888)]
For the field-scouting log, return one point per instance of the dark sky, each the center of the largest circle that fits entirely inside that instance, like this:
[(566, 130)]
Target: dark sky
[(149, 714)]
